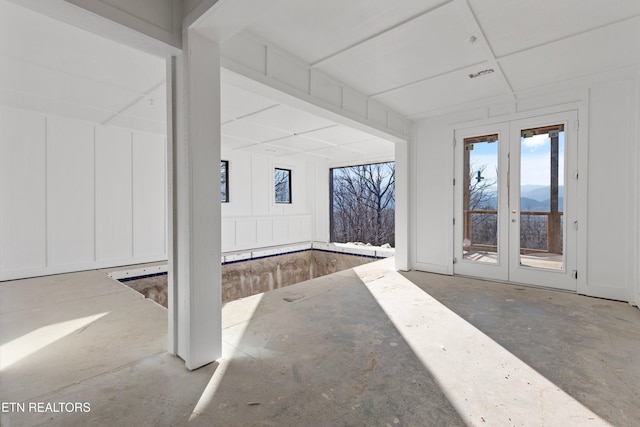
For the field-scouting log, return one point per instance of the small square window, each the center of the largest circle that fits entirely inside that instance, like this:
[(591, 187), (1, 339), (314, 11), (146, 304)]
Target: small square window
[(282, 184), (224, 181)]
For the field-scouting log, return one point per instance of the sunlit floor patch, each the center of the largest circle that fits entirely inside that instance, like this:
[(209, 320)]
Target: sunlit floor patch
[(229, 348), (484, 381), (21, 347)]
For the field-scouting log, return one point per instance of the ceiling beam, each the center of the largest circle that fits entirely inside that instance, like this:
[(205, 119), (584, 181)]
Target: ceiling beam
[(111, 23), (224, 18)]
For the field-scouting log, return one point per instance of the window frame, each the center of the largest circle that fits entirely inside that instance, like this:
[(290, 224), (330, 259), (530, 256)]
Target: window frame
[(226, 182), (289, 186), (332, 200)]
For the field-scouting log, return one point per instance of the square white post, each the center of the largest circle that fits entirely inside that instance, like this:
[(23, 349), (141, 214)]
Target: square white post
[(402, 206), (195, 301)]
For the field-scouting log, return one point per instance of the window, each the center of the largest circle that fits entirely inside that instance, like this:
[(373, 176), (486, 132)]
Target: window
[(224, 181), (282, 184), (362, 201)]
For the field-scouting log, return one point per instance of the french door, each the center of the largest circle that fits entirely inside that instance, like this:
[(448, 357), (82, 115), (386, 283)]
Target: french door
[(515, 196)]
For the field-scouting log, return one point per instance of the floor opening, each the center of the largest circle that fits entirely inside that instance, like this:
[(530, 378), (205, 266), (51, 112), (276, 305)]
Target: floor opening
[(246, 274)]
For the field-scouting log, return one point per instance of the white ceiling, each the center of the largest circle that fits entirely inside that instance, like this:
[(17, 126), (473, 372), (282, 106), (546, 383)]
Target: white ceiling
[(414, 56), (251, 122), (54, 68), (51, 67)]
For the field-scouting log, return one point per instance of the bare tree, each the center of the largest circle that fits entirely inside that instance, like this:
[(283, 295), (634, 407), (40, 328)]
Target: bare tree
[(484, 226), (282, 184), (224, 181), (482, 191), (482, 197), (363, 203)]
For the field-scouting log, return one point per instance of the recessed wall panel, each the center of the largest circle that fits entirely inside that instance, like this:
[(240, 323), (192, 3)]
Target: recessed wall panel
[(245, 51), (429, 160), (325, 89), (246, 232), (288, 71), (261, 182), (608, 177), (70, 192), (280, 230), (295, 229), (305, 228), (377, 113), (264, 231), (114, 221), (149, 195), (22, 191), (228, 235), (354, 103)]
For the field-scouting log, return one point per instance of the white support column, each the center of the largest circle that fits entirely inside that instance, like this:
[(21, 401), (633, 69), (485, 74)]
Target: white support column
[(636, 144), (402, 206), (172, 209), (195, 324)]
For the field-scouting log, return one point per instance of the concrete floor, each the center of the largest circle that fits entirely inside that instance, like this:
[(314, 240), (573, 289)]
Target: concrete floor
[(364, 347)]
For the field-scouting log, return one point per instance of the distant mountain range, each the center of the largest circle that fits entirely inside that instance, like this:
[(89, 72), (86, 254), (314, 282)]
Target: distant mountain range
[(534, 198), (539, 192), (537, 198)]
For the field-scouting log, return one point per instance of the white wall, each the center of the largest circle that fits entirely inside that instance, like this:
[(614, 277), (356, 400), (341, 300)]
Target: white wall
[(252, 219), (76, 195), (431, 197), (613, 191), (320, 203), (609, 186)]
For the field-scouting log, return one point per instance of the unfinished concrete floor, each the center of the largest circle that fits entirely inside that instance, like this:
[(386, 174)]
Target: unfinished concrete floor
[(363, 347)]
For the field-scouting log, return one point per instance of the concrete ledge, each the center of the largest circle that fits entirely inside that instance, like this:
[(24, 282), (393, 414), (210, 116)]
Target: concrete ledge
[(351, 248), (343, 248), (375, 252), (122, 275)]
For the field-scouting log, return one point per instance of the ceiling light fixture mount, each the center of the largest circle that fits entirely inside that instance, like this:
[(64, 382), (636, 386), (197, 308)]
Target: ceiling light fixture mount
[(481, 73)]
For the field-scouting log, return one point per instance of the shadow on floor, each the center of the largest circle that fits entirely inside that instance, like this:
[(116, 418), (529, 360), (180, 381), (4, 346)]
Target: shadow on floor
[(366, 346), (587, 346), (330, 357)]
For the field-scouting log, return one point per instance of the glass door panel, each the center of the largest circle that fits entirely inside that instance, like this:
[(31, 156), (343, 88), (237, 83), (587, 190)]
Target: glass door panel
[(481, 246), (542, 247), (480, 199), (542, 197)]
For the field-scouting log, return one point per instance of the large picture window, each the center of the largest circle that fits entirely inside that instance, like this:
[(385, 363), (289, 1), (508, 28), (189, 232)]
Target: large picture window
[(224, 181), (282, 185), (363, 204)]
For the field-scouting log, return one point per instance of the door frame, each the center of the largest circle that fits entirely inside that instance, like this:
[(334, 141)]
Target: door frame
[(565, 279), (576, 166)]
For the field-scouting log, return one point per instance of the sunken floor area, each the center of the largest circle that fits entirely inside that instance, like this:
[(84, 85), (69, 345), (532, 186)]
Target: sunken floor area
[(363, 347)]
